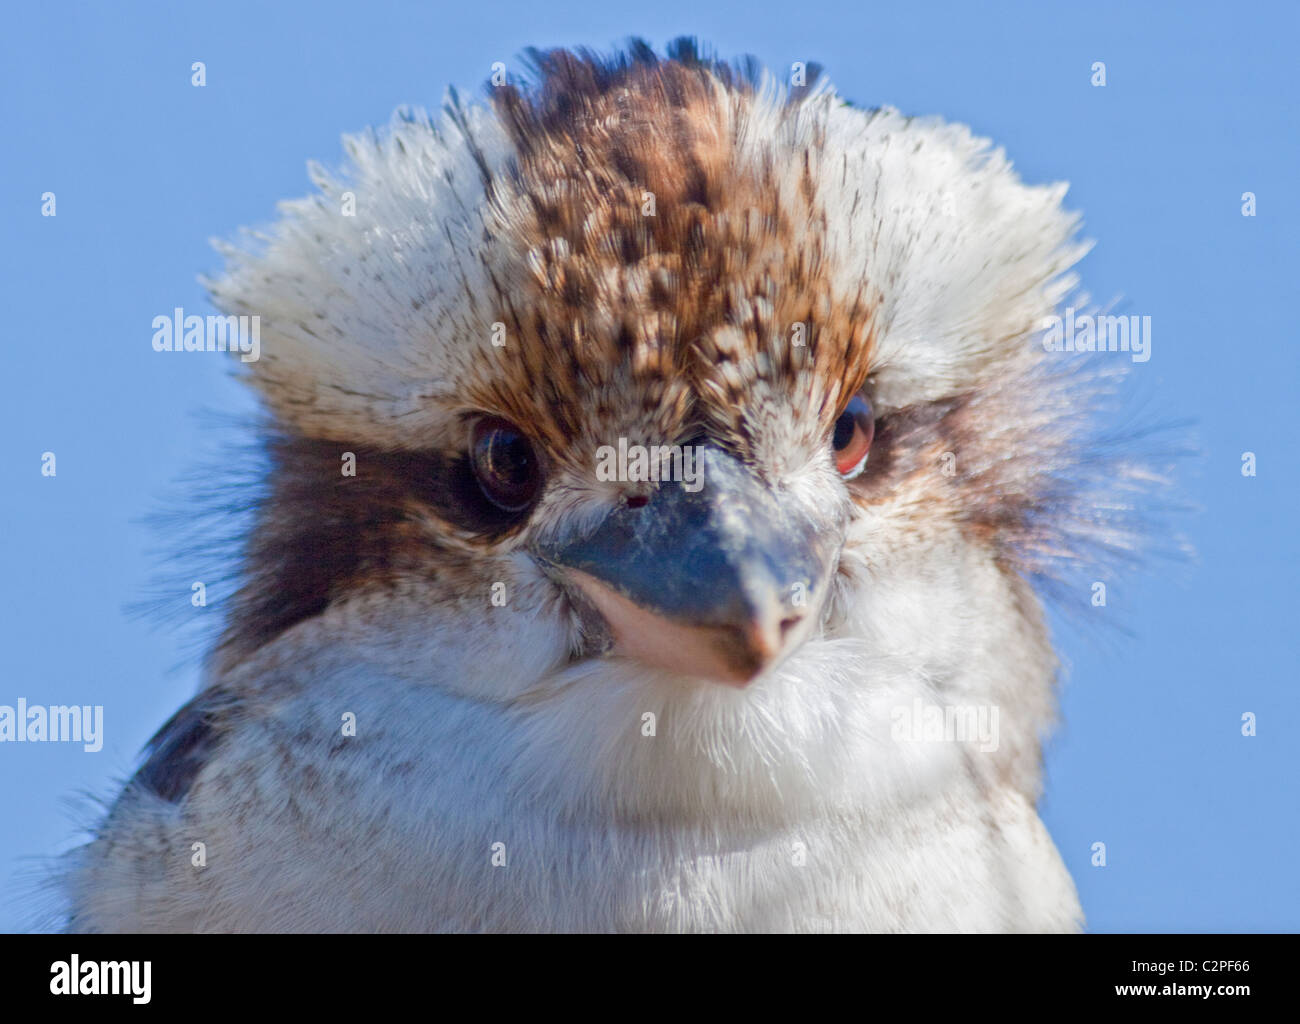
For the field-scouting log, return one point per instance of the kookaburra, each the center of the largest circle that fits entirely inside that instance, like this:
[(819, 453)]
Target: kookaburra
[(482, 677)]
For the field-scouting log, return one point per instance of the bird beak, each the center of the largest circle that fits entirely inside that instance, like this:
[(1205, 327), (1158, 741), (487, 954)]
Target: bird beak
[(719, 582)]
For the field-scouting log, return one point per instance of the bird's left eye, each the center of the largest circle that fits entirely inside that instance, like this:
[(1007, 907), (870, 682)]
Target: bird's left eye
[(852, 438), (504, 464)]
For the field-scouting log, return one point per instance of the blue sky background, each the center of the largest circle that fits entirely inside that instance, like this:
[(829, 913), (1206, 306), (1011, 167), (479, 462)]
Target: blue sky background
[(96, 105)]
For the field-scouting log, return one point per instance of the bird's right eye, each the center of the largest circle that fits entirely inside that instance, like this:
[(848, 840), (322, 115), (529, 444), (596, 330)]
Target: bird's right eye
[(852, 439), (505, 465)]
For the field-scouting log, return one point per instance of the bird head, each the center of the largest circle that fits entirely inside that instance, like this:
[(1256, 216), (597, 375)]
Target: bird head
[(649, 370)]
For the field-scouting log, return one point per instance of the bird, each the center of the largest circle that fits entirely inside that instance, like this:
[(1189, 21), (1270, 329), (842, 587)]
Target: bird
[(665, 485)]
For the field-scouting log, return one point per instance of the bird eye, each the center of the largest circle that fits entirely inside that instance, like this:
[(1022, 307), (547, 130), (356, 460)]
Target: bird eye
[(852, 438), (504, 463)]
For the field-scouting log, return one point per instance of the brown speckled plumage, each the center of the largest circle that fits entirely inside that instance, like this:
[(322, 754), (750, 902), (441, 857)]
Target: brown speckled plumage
[(659, 252)]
